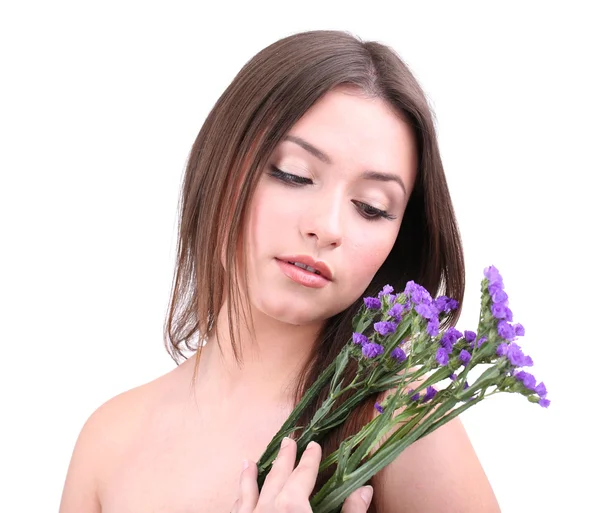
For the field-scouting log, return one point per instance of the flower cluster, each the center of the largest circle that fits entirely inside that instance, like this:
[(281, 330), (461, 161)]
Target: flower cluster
[(400, 347), (509, 332)]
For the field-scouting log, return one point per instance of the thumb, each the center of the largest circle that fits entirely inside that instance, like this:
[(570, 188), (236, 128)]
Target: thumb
[(248, 491), (359, 500)]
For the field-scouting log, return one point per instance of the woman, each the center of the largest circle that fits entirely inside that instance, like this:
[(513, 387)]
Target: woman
[(315, 180)]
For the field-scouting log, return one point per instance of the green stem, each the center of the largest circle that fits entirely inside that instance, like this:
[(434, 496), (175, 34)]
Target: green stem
[(268, 456), (453, 414), (389, 451), (360, 436)]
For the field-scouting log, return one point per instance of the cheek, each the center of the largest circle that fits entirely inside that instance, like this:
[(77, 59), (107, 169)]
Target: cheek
[(260, 221), (371, 251), (272, 215), (375, 257)]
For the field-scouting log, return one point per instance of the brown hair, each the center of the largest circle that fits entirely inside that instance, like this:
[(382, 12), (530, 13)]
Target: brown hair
[(269, 94)]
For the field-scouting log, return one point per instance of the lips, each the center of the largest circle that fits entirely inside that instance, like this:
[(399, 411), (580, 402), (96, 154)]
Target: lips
[(309, 264)]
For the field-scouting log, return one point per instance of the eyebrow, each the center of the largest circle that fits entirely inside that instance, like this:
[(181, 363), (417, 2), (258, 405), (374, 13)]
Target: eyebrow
[(309, 148), (323, 157), (383, 177)]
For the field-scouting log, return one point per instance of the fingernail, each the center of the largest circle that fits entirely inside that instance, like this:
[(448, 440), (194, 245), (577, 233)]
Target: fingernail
[(245, 465), (285, 442), (366, 494), (311, 445)]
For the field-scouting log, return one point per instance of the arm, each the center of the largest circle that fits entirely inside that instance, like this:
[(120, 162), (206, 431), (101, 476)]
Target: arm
[(98, 450), (439, 473), (80, 490)]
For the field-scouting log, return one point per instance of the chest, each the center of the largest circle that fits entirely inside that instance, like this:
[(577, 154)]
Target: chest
[(188, 461)]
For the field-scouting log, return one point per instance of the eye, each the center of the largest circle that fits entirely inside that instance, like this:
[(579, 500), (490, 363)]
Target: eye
[(289, 178), (371, 213)]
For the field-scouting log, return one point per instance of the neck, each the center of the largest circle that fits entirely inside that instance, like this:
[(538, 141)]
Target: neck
[(269, 362)]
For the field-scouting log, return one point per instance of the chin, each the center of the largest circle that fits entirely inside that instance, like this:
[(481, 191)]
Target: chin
[(297, 313), (290, 312)]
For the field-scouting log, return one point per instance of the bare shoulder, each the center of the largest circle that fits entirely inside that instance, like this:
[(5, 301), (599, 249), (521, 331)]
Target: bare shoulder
[(104, 441), (440, 472)]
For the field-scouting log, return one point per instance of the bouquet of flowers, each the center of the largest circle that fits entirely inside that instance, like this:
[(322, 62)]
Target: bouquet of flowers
[(400, 348)]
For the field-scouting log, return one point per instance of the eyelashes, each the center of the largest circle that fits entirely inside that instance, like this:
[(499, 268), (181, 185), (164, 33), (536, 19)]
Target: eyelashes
[(367, 211), (370, 212), (289, 178)]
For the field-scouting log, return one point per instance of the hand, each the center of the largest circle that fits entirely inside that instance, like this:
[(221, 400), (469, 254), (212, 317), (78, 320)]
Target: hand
[(288, 489)]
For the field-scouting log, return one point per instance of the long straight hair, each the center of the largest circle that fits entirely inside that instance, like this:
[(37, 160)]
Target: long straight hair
[(266, 98)]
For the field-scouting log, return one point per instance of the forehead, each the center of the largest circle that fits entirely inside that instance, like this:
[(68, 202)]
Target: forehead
[(357, 131)]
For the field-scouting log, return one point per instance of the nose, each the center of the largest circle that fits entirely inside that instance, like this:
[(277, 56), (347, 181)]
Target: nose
[(322, 223)]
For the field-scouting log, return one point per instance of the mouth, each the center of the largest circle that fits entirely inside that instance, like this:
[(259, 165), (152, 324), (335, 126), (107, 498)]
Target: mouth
[(305, 271), (304, 266), (309, 264)]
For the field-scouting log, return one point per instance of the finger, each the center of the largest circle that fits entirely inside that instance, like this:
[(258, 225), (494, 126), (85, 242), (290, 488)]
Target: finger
[(248, 492), (359, 500), (303, 478), (280, 471)]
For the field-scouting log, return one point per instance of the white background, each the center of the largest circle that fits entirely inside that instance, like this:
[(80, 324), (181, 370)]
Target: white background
[(100, 103)]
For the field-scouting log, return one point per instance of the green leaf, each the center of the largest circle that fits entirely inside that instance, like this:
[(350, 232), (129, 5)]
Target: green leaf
[(341, 362), (343, 455), (290, 424), (379, 426)]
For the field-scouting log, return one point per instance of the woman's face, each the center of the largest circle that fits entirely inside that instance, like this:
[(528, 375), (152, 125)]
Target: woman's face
[(332, 197)]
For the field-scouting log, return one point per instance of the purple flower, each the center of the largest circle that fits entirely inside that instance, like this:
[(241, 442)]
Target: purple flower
[(429, 394), (481, 341), (470, 336), (502, 349), (396, 311), (464, 357), (385, 327), (426, 311), (398, 354), (371, 350), (433, 327), (453, 377), (442, 356), (495, 287), (454, 334), (359, 338), (441, 303), (449, 338), (527, 379), (372, 303), (519, 330), (378, 407), (446, 344), (499, 296), (544, 403), (413, 397), (516, 357), (410, 288), (506, 331), (445, 304), (493, 275), (466, 386), (541, 390), (417, 293), (387, 289), (501, 311)]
